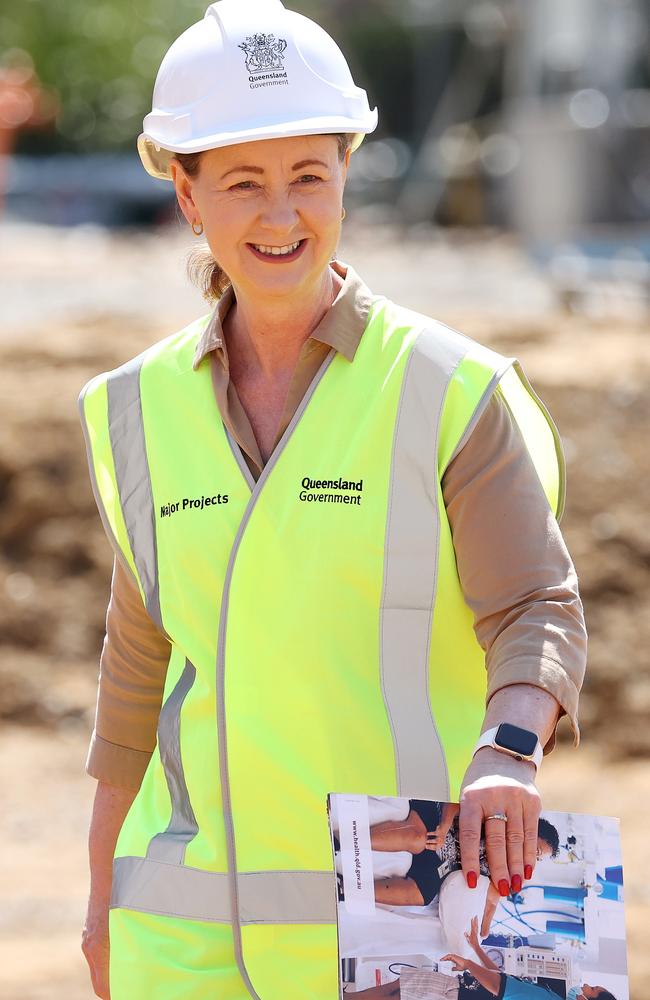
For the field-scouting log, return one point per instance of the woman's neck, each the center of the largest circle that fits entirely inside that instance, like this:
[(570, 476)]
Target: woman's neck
[(267, 337)]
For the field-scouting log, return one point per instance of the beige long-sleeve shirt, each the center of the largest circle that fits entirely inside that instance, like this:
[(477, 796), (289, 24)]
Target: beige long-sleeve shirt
[(515, 571)]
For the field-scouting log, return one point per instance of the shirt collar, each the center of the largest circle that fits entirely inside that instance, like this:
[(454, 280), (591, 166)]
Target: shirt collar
[(341, 327)]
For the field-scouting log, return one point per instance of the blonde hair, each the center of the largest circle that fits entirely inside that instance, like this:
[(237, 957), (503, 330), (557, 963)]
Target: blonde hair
[(202, 269)]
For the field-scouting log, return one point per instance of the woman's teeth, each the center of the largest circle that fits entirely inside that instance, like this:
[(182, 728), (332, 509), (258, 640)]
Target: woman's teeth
[(277, 250)]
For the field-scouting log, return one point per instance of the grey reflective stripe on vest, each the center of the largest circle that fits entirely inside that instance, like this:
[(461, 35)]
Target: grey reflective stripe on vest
[(264, 897), (287, 897), (99, 500), (170, 845), (411, 566), (126, 432)]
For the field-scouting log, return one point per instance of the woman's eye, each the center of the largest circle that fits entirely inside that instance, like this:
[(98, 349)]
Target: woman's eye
[(242, 186), (309, 177)]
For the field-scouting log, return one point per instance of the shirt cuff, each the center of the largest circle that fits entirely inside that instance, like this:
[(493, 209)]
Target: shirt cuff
[(116, 765), (544, 673)]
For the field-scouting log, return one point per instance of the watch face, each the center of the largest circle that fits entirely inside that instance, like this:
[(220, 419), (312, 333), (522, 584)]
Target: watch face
[(519, 741)]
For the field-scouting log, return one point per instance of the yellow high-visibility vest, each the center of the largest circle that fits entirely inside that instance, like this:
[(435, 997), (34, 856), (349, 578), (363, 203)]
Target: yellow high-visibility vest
[(320, 640)]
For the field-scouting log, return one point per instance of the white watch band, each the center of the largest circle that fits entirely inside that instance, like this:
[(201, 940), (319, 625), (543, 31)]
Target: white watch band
[(487, 740)]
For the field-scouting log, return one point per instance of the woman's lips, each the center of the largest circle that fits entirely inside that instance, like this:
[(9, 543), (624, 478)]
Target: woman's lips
[(278, 258)]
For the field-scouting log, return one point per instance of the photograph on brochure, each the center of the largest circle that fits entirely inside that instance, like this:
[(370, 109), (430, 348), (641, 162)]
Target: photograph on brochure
[(410, 928)]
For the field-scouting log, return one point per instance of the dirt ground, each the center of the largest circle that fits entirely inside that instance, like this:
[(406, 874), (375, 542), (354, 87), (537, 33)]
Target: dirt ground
[(82, 302)]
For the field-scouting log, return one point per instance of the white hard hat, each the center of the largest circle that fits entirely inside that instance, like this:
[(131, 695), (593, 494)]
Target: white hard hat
[(250, 70)]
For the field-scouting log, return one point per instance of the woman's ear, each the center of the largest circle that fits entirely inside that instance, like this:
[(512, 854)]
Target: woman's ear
[(183, 187)]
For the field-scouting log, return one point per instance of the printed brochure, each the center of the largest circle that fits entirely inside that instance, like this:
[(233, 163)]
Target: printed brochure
[(409, 928)]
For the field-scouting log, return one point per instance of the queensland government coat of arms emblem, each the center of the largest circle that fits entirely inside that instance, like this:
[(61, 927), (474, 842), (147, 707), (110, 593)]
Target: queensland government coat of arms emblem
[(264, 53)]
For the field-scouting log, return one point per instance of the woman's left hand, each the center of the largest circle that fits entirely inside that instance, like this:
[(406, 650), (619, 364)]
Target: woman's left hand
[(460, 964), (497, 784)]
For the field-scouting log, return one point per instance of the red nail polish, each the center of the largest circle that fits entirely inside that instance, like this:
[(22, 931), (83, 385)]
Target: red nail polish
[(528, 871), (472, 879), (504, 888), (516, 883)]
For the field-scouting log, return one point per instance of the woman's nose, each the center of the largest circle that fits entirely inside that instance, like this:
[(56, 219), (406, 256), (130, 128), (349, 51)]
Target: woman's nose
[(279, 214)]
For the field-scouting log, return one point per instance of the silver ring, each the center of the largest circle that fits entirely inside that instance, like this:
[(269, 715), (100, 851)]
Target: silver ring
[(498, 816)]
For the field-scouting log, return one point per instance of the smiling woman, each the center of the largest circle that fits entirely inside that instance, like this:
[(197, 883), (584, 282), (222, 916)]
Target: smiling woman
[(283, 206), (272, 638), (203, 270)]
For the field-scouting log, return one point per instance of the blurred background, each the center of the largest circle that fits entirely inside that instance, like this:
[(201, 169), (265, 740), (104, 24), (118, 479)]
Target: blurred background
[(506, 192)]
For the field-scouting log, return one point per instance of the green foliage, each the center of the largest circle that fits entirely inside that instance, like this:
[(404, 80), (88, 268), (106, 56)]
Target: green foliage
[(100, 57)]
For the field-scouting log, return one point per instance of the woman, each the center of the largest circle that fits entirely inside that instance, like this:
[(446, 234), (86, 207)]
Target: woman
[(481, 980), (435, 845), (431, 834), (484, 982), (286, 584)]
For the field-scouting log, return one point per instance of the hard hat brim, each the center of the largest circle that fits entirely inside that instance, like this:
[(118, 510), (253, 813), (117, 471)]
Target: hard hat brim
[(156, 157)]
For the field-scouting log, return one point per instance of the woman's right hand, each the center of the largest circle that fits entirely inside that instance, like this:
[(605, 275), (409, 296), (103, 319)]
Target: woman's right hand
[(109, 811), (471, 936), (95, 946)]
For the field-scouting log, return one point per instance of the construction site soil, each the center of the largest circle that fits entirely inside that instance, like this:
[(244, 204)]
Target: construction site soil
[(82, 302)]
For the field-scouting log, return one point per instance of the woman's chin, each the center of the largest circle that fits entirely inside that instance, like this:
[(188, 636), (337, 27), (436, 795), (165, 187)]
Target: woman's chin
[(294, 276)]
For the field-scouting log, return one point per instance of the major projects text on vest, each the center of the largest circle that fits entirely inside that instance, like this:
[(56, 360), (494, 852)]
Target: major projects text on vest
[(192, 503), (343, 491)]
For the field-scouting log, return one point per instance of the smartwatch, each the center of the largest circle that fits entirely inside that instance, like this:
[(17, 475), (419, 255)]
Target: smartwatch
[(519, 743)]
